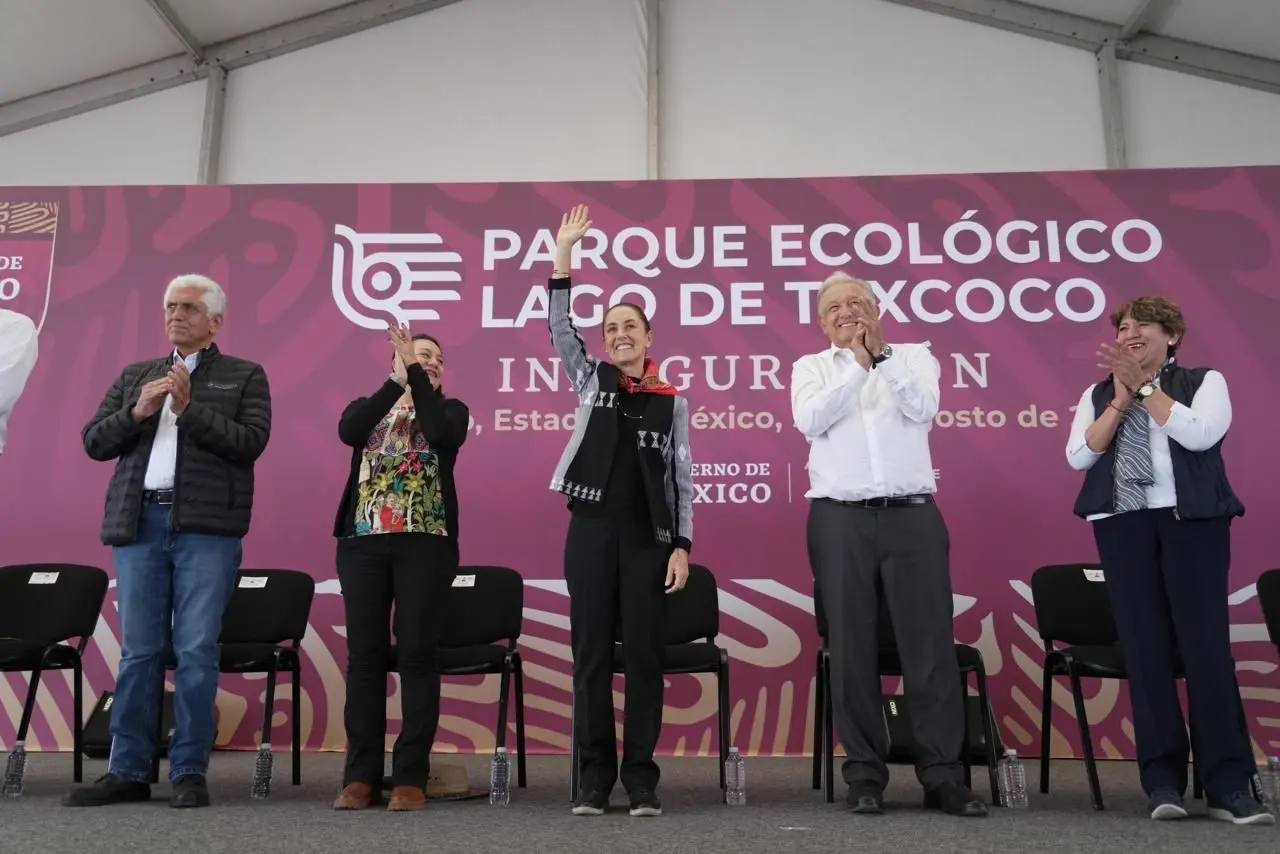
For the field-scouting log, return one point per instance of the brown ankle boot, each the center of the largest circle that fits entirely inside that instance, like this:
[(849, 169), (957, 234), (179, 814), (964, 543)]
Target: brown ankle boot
[(407, 799), (355, 796)]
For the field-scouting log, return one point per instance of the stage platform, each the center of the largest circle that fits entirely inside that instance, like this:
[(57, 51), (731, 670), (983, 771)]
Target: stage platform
[(783, 814)]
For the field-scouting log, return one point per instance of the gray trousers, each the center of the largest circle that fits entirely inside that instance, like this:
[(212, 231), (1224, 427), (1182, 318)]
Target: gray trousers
[(859, 554)]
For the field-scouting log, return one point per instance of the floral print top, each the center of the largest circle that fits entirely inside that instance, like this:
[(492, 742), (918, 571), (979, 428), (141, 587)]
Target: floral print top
[(399, 490)]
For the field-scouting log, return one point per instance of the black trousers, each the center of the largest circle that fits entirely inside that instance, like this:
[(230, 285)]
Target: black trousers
[(857, 555), (413, 572), (1167, 580), (616, 576)]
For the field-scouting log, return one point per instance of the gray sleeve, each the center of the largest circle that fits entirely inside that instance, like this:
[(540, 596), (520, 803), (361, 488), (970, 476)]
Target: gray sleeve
[(578, 365), (682, 476)]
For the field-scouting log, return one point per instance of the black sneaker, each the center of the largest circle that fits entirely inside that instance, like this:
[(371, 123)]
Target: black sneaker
[(1240, 808), (189, 790), (954, 798), (591, 803), (645, 803), (1166, 805), (865, 798), (106, 790)]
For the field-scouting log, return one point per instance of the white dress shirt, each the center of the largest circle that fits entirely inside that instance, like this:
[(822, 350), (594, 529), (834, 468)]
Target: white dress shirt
[(868, 430), (1197, 427), (19, 349), (164, 450)]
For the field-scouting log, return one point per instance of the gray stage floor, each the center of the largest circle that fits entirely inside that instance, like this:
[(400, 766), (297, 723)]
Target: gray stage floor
[(783, 814)]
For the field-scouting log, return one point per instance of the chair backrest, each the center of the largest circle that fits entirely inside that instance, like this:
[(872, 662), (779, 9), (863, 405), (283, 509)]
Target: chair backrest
[(1072, 606), (884, 623), (693, 614), (51, 602), (485, 606), (268, 606), (1269, 596)]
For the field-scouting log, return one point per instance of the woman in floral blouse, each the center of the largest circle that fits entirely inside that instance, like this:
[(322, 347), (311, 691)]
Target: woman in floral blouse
[(397, 530)]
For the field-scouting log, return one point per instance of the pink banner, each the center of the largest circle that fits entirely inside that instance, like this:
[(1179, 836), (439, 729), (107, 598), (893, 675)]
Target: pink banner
[(1011, 279)]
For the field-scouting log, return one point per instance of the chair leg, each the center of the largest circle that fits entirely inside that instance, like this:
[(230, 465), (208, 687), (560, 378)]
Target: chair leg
[(15, 770), (296, 723), (573, 748), (1046, 716), (966, 758), (517, 666), (828, 731), (1090, 764), (817, 724), (77, 720), (989, 729), (262, 769), (722, 680), (504, 695)]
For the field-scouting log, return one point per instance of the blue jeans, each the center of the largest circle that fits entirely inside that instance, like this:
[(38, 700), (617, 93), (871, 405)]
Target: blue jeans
[(171, 587)]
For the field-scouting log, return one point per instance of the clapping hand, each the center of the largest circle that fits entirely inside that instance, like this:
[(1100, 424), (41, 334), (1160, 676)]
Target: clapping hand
[(402, 343), (1124, 367)]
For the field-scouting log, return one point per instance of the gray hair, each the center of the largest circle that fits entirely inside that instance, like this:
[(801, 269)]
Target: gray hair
[(215, 301), (840, 277)]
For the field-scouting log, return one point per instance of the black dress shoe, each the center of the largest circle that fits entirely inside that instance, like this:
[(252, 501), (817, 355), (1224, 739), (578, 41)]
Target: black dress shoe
[(189, 790), (954, 799), (107, 790), (865, 798)]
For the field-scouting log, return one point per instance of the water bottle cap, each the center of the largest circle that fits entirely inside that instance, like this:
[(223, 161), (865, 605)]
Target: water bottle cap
[(1011, 753), (502, 750), (733, 750)]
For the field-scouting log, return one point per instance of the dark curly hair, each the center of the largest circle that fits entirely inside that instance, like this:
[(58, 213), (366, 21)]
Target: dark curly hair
[(1154, 310)]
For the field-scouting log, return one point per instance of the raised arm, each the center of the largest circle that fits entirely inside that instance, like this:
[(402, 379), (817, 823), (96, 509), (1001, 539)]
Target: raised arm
[(113, 430), (817, 402), (682, 475), (572, 350), (1201, 425), (241, 439), (1089, 437), (443, 420), (18, 351), (364, 413), (913, 382)]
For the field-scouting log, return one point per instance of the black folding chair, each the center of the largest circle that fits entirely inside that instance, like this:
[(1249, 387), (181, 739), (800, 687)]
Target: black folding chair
[(1073, 608), (482, 625), (42, 605), (262, 632), (691, 623), (1269, 596), (969, 659)]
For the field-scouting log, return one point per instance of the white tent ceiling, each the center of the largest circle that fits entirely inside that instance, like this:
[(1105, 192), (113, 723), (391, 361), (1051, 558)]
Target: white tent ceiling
[(59, 58)]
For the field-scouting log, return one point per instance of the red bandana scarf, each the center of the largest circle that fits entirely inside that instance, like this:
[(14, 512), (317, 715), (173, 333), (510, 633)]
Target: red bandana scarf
[(650, 382)]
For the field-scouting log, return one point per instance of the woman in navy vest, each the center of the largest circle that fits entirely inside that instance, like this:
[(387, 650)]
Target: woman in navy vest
[(629, 478), (1149, 439)]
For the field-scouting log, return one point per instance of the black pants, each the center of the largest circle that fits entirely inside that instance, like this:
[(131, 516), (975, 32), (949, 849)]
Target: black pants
[(415, 572), (858, 554), (615, 572), (1167, 579)]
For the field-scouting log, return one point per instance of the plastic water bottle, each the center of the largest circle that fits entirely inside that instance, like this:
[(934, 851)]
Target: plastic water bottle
[(15, 771), (735, 779), (500, 779), (261, 788), (1271, 784), (1013, 781)]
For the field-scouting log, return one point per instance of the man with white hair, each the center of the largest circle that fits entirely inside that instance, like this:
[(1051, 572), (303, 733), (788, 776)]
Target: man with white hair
[(19, 348), (185, 431), (874, 531)]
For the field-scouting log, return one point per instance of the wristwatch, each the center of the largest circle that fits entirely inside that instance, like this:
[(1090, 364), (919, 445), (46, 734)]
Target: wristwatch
[(885, 353), (1144, 391)]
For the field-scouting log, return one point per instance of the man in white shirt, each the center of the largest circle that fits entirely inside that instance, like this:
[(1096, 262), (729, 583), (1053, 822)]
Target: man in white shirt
[(18, 352), (874, 530)]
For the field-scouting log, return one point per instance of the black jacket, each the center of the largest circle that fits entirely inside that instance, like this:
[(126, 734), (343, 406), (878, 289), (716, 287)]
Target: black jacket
[(443, 421), (1199, 477), (220, 435)]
